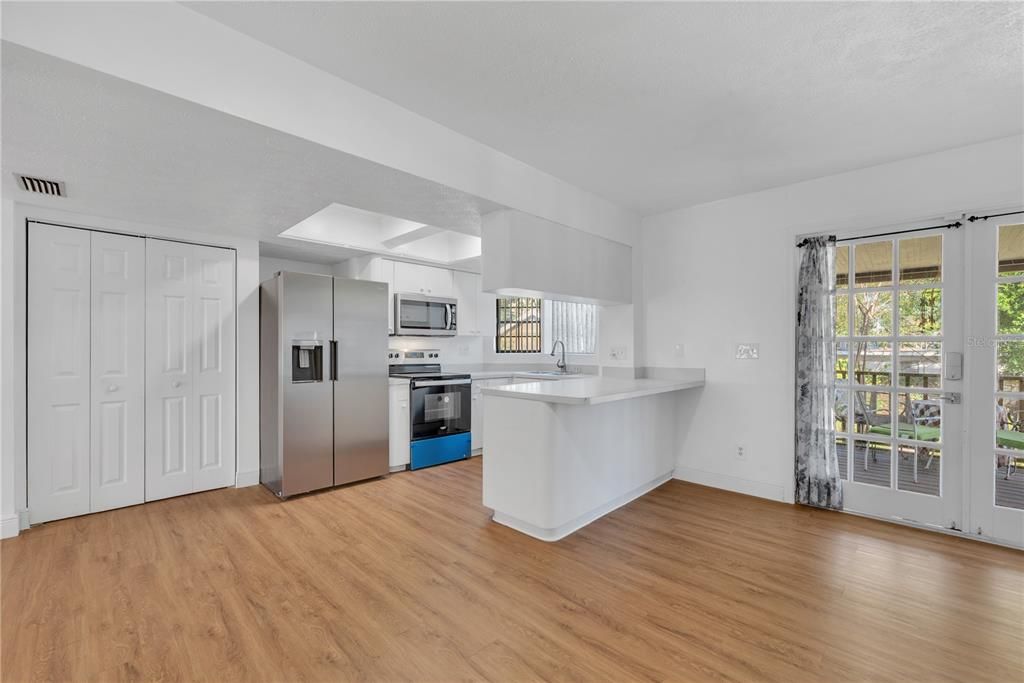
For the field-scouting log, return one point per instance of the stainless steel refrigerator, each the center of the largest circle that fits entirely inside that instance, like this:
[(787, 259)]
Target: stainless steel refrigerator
[(323, 382)]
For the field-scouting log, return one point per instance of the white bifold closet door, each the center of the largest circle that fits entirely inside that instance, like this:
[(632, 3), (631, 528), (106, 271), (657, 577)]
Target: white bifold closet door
[(86, 388), (190, 373)]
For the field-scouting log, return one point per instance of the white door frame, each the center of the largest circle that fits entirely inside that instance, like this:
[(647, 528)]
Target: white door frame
[(246, 409)]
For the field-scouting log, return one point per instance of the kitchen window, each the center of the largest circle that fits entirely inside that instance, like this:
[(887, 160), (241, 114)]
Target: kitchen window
[(528, 325), (575, 324), (518, 326)]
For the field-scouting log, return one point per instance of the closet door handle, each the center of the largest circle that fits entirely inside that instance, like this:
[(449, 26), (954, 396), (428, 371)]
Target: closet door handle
[(176, 384), (334, 360)]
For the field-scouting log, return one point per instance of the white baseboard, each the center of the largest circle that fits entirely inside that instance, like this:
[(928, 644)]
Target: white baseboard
[(560, 532), (9, 526), (750, 487), (250, 478)]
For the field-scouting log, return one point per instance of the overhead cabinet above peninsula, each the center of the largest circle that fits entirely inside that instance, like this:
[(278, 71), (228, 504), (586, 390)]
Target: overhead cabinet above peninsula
[(524, 255)]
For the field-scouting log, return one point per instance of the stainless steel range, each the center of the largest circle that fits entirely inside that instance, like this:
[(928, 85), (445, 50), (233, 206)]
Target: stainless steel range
[(439, 407)]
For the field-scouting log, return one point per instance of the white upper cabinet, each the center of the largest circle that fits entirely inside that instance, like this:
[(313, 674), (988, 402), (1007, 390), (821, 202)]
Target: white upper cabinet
[(467, 292), (416, 279)]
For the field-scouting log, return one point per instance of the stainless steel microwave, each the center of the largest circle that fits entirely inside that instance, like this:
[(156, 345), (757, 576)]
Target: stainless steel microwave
[(418, 315)]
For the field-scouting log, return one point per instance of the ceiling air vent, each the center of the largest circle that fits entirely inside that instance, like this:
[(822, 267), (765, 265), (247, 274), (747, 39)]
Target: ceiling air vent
[(54, 188)]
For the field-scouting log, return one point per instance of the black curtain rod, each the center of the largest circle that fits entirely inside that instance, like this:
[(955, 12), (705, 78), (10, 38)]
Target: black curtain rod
[(995, 215), (832, 238)]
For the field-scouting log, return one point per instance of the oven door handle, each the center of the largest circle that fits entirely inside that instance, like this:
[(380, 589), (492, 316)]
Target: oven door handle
[(439, 382)]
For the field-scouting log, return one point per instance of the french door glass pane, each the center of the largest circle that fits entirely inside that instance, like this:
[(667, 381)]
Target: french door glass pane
[(921, 260), (1011, 250), (842, 410), (1009, 481), (842, 266), (920, 417), (842, 314), (871, 463), (920, 364), (842, 362), (1010, 308), (1010, 366), (874, 264), (873, 314), (872, 363), (872, 412), (1009, 429), (921, 312), (919, 469)]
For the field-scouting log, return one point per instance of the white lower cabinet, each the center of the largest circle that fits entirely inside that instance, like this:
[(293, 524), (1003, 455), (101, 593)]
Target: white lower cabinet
[(477, 416), (398, 426), (125, 389)]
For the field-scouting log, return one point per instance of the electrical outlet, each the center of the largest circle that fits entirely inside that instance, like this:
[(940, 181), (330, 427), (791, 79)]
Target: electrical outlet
[(679, 350), (619, 353), (741, 453)]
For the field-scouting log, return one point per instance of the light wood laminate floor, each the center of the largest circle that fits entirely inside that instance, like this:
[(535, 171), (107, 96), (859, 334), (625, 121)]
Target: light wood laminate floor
[(405, 578)]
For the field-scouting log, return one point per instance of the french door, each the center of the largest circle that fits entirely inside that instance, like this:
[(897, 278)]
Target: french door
[(995, 363), (899, 327), (930, 378)]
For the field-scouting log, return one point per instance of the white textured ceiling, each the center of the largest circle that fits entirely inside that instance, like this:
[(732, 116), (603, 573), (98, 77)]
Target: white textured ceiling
[(659, 105), (132, 153)]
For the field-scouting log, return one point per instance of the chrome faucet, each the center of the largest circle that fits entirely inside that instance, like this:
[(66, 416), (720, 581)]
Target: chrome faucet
[(560, 364)]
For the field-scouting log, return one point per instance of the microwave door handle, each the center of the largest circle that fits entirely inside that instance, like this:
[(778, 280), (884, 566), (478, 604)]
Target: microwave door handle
[(447, 316)]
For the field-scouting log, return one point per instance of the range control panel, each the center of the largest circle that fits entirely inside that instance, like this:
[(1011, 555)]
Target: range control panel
[(403, 356)]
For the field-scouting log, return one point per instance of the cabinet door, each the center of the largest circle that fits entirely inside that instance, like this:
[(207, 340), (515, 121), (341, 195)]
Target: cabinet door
[(118, 457), (486, 313), (477, 418), (170, 356), (213, 408), (467, 291), (398, 426), (417, 279), (59, 377)]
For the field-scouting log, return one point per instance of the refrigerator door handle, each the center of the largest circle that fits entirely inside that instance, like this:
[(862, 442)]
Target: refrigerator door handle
[(334, 360)]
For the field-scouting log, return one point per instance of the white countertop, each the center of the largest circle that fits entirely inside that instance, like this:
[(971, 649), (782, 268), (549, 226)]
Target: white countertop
[(589, 390)]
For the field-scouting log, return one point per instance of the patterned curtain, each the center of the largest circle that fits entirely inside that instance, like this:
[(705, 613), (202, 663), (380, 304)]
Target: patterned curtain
[(817, 466)]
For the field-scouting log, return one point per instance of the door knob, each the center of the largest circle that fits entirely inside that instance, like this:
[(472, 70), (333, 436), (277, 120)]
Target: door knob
[(112, 388), (177, 384)]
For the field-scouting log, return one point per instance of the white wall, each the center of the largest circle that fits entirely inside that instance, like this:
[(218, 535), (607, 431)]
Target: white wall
[(247, 275), (724, 272), (270, 265), (170, 48), (8, 499)]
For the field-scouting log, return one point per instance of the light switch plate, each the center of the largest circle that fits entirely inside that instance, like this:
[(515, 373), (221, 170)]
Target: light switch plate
[(618, 353), (748, 351)]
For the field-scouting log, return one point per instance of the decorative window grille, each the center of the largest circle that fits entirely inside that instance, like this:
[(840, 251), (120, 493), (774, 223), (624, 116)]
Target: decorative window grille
[(518, 327)]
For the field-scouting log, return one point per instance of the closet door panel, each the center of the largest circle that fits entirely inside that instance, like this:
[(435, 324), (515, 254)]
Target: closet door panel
[(214, 406), (118, 371), (59, 375), (171, 436)]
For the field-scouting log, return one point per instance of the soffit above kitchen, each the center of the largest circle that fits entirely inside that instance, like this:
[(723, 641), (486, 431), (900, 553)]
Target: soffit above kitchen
[(662, 105), (132, 153)]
